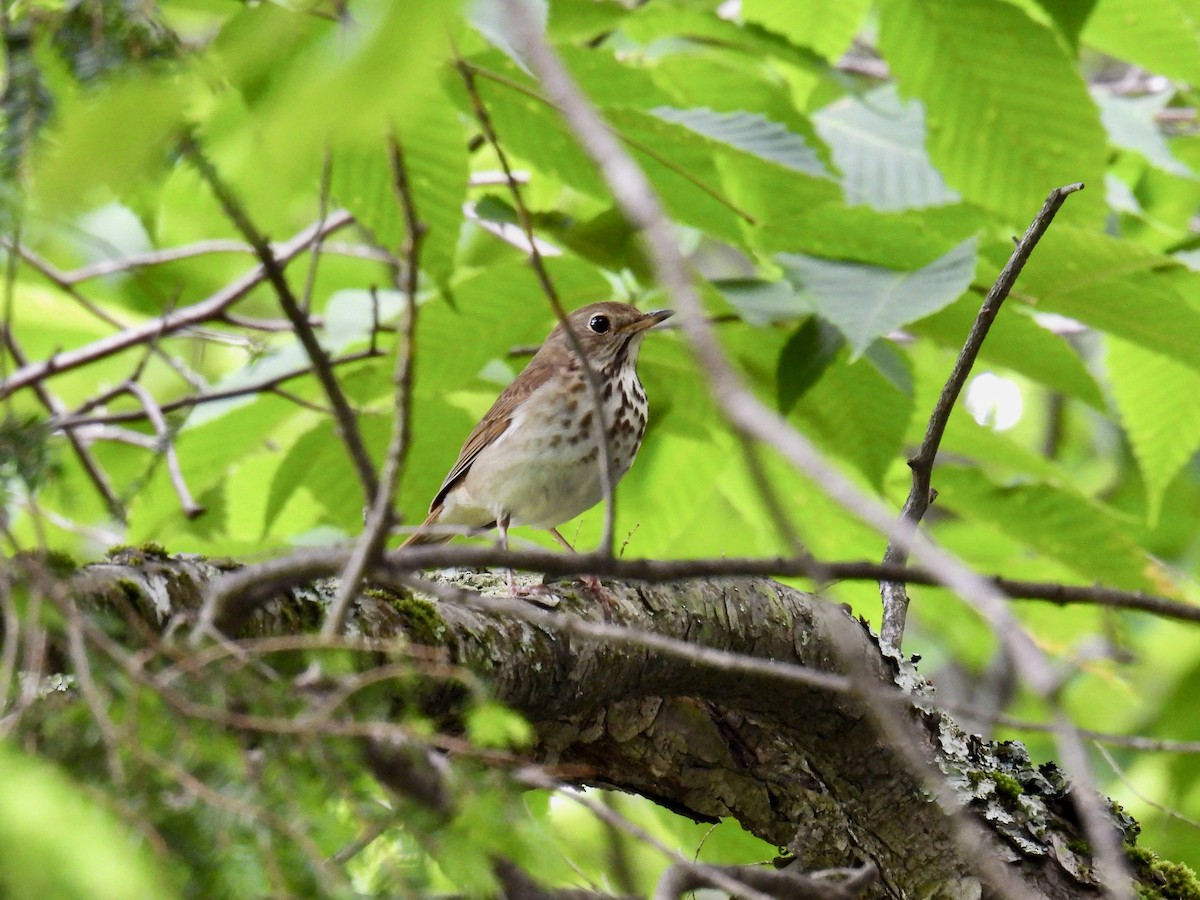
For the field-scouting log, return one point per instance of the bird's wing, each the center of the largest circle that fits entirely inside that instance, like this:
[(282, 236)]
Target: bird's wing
[(494, 423)]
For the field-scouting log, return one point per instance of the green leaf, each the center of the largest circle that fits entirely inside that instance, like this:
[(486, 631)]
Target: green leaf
[(1082, 534), (1069, 15), (878, 142), (1014, 120), (1159, 402), (751, 133), (1016, 342), (119, 136), (858, 410), (494, 725), (1114, 286), (828, 26), (867, 302), (1132, 123), (59, 843), (804, 358), (1163, 36)]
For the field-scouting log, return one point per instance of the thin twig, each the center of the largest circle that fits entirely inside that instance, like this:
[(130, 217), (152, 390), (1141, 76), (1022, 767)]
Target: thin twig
[(191, 508), (382, 513), (605, 464), (343, 414), (1132, 741), (91, 466), (79, 418), (186, 317), (895, 597)]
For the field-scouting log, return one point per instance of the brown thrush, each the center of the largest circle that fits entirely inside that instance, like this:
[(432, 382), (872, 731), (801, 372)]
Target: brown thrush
[(534, 458)]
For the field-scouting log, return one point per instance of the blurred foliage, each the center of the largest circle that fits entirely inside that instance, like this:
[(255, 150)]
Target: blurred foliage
[(847, 215)]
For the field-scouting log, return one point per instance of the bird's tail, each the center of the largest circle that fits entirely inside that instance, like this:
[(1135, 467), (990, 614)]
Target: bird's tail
[(423, 536)]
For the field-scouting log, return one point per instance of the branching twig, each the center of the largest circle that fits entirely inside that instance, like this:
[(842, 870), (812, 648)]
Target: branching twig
[(191, 508), (55, 407), (80, 417), (895, 597), (172, 322), (343, 414)]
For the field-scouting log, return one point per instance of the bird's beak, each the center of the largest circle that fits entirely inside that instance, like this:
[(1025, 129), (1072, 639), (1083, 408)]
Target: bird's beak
[(649, 320)]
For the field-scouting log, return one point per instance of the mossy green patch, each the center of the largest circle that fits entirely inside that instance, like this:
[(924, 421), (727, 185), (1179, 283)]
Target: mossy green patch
[(1159, 879), (420, 620)]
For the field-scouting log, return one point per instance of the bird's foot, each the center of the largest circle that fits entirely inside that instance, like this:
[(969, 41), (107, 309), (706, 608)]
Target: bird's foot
[(594, 586), (538, 592)]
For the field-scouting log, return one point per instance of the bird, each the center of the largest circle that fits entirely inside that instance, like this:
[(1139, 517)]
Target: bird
[(534, 458)]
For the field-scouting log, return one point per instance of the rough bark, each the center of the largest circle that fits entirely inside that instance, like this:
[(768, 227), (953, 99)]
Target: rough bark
[(801, 765)]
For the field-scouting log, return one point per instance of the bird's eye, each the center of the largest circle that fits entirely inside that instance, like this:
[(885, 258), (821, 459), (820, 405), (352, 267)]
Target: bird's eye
[(599, 324)]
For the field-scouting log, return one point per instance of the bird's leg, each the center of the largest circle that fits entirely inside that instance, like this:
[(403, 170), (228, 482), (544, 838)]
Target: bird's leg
[(591, 582), (538, 593), (562, 541), (502, 524)]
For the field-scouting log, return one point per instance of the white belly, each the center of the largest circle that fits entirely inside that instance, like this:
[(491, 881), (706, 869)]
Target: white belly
[(545, 468)]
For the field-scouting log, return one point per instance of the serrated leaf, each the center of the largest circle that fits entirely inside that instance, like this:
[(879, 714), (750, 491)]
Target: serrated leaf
[(1008, 114), (1158, 399), (1114, 286), (867, 302), (751, 133), (1078, 532), (434, 144), (878, 143)]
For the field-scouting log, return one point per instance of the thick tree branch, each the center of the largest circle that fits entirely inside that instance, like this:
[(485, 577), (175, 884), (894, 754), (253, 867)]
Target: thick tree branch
[(797, 763)]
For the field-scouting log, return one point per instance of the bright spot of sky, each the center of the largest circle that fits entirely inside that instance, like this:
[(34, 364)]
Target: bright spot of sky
[(994, 401)]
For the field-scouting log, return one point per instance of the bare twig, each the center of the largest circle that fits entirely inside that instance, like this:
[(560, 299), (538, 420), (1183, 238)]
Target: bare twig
[(605, 464), (382, 513), (172, 322), (1132, 741), (55, 407), (895, 597), (191, 508), (343, 415), (80, 418)]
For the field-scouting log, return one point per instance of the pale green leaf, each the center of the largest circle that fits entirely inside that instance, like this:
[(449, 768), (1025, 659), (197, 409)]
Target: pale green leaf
[(878, 143), (1163, 36), (1132, 123), (751, 133), (59, 841), (1158, 399), (828, 26), (1114, 286), (1082, 534), (867, 302), (1008, 114)]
